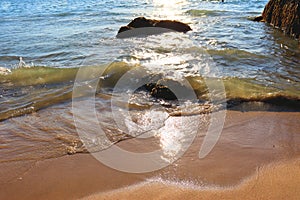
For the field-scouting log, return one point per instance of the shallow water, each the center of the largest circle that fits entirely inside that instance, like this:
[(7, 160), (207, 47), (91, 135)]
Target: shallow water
[(244, 64)]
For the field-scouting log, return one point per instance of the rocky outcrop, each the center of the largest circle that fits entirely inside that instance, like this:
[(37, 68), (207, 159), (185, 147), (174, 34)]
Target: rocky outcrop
[(284, 15), (142, 22)]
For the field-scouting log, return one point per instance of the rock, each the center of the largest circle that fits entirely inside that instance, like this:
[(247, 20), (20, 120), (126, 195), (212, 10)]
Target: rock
[(142, 22), (284, 15), (163, 92), (124, 28), (174, 25), (159, 91), (258, 19)]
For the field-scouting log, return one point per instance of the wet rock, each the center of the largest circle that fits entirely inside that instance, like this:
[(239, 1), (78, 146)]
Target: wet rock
[(159, 91), (258, 19), (284, 15), (124, 28), (163, 92), (142, 22)]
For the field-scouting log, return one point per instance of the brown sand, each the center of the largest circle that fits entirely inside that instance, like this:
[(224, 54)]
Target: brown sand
[(68, 177), (276, 181), (248, 142)]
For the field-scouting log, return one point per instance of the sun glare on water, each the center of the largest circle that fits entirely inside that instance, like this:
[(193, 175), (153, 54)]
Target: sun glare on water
[(168, 8), (173, 3)]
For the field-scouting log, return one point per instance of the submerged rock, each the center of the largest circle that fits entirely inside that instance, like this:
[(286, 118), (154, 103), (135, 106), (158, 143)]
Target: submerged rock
[(284, 15), (163, 92), (159, 91), (161, 25)]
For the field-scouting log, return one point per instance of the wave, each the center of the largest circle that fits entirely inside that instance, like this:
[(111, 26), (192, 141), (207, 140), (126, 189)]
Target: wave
[(204, 13), (26, 90), (64, 14), (38, 75), (235, 54), (261, 184)]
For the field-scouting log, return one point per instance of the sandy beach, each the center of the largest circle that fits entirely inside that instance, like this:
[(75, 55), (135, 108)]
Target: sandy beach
[(257, 157), (156, 99), (275, 181)]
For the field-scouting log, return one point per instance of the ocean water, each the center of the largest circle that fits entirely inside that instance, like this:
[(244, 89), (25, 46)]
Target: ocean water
[(259, 67)]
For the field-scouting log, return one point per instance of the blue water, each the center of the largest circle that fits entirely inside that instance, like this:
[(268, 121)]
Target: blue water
[(72, 33), (64, 33)]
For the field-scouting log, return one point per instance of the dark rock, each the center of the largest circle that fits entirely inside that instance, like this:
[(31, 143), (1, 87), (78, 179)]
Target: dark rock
[(124, 28), (142, 22), (258, 19), (174, 25), (284, 15), (159, 91), (163, 92), (149, 87)]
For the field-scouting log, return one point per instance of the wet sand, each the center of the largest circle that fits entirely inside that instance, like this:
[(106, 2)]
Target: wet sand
[(276, 181), (249, 142)]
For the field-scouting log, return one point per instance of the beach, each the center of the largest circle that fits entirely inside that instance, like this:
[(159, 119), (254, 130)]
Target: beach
[(250, 160), (269, 183), (209, 112)]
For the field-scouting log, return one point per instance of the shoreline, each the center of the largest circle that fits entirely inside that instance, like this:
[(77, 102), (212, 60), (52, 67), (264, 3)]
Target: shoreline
[(279, 180), (249, 141)]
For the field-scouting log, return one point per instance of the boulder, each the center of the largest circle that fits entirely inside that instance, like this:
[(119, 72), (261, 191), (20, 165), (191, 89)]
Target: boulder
[(162, 92), (159, 91), (284, 15), (163, 25)]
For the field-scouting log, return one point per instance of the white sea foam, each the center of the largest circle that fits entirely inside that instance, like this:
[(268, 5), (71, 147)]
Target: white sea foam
[(4, 71)]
